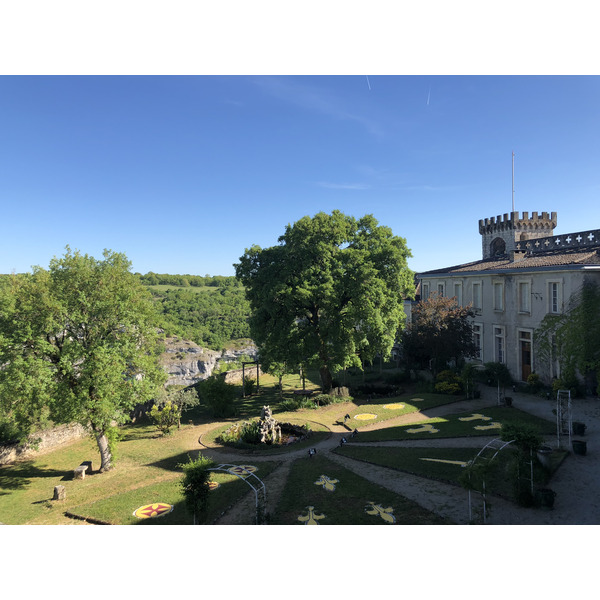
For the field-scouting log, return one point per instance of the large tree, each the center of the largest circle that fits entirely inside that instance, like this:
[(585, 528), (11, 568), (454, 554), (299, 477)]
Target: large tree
[(330, 294), (78, 342), (441, 331)]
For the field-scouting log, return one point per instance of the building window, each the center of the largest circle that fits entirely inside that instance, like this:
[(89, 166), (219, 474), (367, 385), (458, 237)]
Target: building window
[(554, 297), (458, 293), (524, 297), (478, 340), (499, 354), (498, 296), (441, 289), (425, 291), (477, 296)]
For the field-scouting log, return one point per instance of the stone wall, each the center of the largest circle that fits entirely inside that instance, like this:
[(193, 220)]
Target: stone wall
[(48, 440)]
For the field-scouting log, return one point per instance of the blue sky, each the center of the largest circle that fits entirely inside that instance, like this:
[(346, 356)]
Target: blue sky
[(183, 173)]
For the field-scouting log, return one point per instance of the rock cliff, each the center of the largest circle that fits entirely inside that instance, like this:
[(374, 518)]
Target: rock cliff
[(187, 363)]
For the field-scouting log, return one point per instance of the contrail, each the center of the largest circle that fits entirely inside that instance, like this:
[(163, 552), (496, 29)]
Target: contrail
[(368, 82), (428, 95)]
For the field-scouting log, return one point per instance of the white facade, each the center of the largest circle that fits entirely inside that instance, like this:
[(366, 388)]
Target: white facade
[(512, 292)]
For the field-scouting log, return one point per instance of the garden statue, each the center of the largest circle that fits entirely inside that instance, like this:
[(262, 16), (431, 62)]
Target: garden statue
[(269, 429)]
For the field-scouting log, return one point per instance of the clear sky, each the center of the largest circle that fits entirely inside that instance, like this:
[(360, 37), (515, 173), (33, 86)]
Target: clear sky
[(182, 173)]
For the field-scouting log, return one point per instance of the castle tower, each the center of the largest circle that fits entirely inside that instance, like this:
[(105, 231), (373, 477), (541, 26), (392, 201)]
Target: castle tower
[(499, 236)]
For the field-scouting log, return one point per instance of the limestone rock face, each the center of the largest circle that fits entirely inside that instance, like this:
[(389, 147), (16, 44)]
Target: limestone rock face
[(187, 363)]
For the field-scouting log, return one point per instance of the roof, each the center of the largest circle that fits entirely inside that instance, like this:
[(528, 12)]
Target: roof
[(540, 260)]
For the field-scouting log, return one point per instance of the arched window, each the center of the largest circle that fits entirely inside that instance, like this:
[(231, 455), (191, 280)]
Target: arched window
[(497, 247)]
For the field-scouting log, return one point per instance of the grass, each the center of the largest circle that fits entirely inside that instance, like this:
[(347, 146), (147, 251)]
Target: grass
[(347, 504), (118, 509), (451, 426), (147, 467), (411, 460), (396, 407)]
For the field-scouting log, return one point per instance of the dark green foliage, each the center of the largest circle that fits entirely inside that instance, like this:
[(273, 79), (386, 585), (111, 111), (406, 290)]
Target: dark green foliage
[(328, 295), (247, 432), (218, 395), (526, 437), (573, 337), (249, 385), (210, 319), (498, 374), (448, 382), (441, 331), (78, 343), (165, 417), (196, 476)]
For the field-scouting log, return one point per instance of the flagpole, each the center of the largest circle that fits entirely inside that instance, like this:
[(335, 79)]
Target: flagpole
[(513, 182)]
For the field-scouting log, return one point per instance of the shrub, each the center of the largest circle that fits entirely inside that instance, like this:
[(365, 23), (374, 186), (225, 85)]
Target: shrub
[(219, 396), (165, 418), (247, 432), (446, 387), (534, 383), (249, 386), (289, 405), (448, 382), (196, 476)]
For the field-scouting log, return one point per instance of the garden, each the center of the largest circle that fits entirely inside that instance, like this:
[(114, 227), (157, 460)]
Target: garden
[(146, 482)]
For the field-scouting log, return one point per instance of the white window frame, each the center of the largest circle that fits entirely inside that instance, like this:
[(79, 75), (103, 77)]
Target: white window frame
[(498, 300), (524, 296), (478, 333), (500, 336), (424, 291), (477, 306), (559, 296), (441, 285), (458, 287)]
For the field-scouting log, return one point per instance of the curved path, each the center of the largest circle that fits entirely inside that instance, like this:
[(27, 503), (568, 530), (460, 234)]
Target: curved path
[(575, 483)]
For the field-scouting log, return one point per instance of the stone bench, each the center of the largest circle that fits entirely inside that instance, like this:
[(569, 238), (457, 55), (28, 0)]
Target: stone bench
[(80, 471)]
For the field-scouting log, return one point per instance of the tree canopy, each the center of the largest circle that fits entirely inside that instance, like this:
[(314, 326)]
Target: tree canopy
[(441, 331), (78, 343), (573, 337), (330, 294)]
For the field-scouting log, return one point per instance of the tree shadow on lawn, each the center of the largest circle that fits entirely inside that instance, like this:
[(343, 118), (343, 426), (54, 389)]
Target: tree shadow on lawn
[(171, 463), (16, 477)]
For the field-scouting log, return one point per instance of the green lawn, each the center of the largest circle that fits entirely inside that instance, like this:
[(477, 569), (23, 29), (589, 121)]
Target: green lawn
[(118, 509), (452, 426), (347, 504), (448, 464), (396, 406)]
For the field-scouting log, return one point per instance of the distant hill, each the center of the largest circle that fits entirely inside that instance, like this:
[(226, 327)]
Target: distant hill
[(211, 311)]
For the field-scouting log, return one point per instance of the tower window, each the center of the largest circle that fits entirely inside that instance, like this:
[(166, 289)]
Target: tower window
[(497, 247)]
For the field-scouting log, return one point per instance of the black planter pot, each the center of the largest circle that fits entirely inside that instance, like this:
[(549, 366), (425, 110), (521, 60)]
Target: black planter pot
[(508, 401), (544, 455), (546, 498), (578, 428), (579, 447)]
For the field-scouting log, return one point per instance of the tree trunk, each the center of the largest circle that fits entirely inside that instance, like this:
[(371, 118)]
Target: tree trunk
[(105, 453), (326, 379)]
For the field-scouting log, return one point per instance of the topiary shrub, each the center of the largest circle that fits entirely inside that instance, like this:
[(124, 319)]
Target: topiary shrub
[(448, 382), (196, 476)]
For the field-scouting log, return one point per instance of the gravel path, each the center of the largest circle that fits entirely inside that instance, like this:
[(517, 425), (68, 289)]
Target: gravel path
[(576, 483)]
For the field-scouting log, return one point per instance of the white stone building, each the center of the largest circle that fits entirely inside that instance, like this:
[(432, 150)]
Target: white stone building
[(526, 272)]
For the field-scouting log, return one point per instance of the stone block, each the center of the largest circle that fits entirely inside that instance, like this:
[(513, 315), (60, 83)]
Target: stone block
[(60, 493)]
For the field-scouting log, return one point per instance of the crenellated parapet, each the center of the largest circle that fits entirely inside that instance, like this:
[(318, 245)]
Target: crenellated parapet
[(544, 222), (501, 234)]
